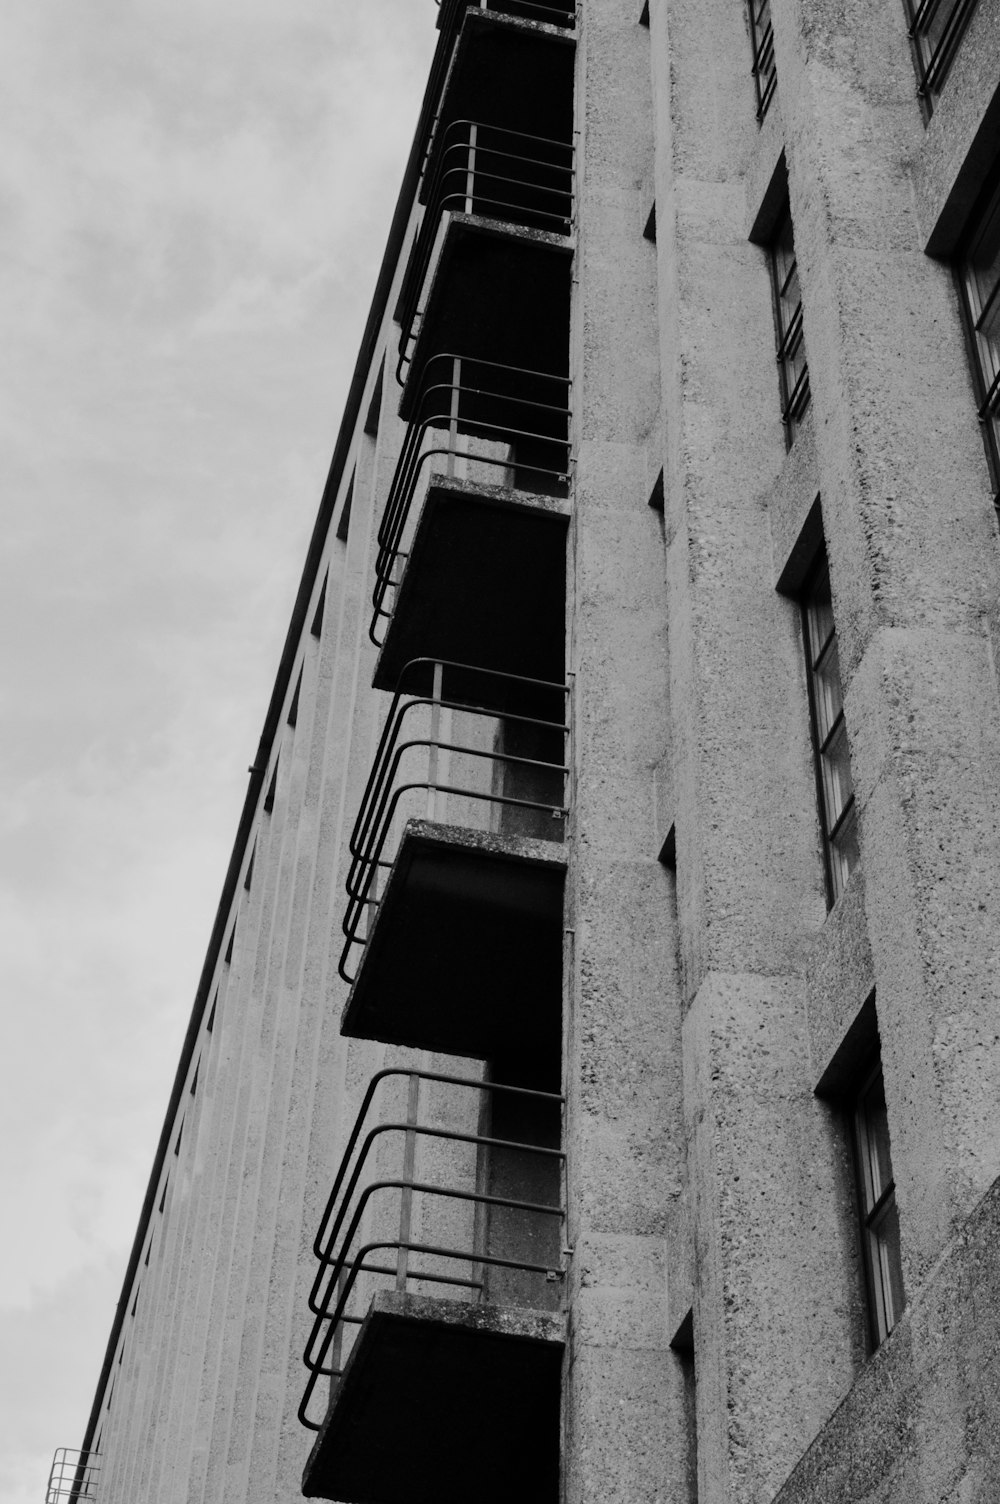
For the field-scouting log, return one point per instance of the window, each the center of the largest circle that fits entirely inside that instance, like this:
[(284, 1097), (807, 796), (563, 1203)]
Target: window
[(683, 1348), (979, 274), (877, 1206), (762, 41), (792, 368), (936, 28), (838, 817)]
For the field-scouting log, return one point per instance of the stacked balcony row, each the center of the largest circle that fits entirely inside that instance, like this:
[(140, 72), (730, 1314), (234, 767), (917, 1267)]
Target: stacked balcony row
[(437, 1323)]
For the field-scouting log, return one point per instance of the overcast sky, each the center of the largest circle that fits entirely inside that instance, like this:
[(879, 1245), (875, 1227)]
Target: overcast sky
[(194, 196)]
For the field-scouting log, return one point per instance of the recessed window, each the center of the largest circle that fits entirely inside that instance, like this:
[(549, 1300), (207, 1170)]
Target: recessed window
[(272, 791), (936, 28), (344, 525), (375, 405), (683, 1348), (317, 623), (293, 709), (838, 816), (792, 369), (877, 1205), (979, 275), (762, 41)]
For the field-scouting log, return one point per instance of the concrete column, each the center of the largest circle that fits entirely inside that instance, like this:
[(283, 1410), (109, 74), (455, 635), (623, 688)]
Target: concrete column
[(913, 548), (624, 1400), (775, 1284)]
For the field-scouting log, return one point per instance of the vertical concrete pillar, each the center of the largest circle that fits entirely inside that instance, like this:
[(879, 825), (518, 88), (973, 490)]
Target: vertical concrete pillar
[(623, 1402), (774, 1295), (913, 548)]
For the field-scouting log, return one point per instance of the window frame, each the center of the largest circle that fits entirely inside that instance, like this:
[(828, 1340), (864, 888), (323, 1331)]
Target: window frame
[(974, 312), (762, 47), (838, 872), (788, 330), (933, 61), (876, 1203)]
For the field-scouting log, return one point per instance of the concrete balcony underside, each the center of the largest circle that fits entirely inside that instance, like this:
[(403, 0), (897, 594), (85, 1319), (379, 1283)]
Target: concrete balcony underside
[(495, 292), (444, 1403), (465, 955), (512, 74), (484, 583)]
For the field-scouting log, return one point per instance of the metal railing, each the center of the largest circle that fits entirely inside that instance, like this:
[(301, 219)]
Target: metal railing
[(765, 73), (73, 1476), (509, 424), (552, 13), (498, 174), (936, 28), (442, 758), (364, 1231)]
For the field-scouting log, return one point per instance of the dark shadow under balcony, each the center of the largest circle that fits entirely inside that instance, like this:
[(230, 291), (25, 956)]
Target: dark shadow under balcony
[(502, 176), (492, 292), (467, 548), (437, 1334), (482, 580), (454, 918)]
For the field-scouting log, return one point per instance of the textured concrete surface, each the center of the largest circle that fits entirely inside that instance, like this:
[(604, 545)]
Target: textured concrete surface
[(923, 1420), (714, 1012)]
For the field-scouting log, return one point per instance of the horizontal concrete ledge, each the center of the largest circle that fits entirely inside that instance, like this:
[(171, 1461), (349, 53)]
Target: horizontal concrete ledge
[(446, 1402)]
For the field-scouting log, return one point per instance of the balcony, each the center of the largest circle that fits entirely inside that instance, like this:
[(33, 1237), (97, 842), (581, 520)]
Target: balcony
[(493, 292), (73, 1476), (560, 13), (471, 558), (456, 854), (508, 177), (436, 1335)]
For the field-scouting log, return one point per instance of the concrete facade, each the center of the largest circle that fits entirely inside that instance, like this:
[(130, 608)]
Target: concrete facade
[(627, 1025)]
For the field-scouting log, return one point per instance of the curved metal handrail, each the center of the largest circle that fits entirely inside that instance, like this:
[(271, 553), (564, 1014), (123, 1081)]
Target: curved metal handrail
[(382, 794), (494, 172), (472, 399), (341, 1261)]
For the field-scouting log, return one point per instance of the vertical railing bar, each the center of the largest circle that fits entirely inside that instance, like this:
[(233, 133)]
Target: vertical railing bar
[(453, 413), (434, 737), (409, 1164), (470, 176)]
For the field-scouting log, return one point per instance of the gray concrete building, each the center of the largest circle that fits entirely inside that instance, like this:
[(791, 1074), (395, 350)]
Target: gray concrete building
[(593, 1088)]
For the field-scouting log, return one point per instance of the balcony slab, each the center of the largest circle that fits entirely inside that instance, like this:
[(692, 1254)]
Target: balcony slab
[(465, 955), (442, 1402), (484, 583), (494, 292), (493, 49)]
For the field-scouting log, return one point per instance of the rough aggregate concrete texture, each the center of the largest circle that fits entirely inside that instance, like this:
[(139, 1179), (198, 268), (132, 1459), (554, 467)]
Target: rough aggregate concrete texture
[(923, 1419), (912, 542), (623, 1419), (776, 1278)]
